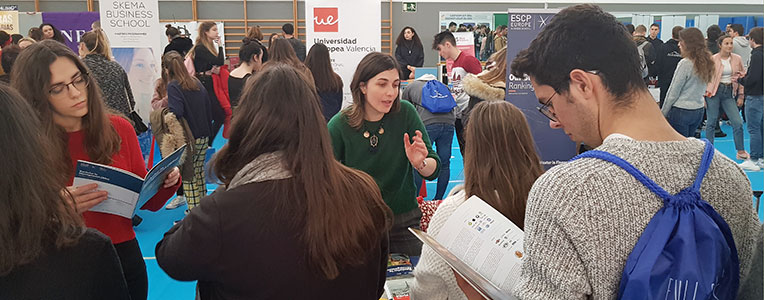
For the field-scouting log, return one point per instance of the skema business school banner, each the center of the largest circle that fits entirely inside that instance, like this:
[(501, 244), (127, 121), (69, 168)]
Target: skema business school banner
[(135, 35)]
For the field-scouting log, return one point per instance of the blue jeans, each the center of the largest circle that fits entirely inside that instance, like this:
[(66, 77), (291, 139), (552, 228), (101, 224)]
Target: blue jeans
[(442, 135), (685, 121), (723, 100), (753, 114)]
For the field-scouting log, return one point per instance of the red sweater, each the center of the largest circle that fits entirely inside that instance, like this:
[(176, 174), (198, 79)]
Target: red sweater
[(129, 158)]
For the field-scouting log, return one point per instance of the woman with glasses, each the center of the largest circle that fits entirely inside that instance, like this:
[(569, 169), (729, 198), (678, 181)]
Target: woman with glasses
[(500, 178), (56, 83), (42, 237), (683, 106)]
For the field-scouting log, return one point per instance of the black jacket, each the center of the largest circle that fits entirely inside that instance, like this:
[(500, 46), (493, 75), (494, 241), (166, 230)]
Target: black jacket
[(192, 106), (204, 60), (331, 102), (236, 247), (657, 43), (668, 57), (89, 269), (407, 53), (753, 81), (299, 48), (180, 44)]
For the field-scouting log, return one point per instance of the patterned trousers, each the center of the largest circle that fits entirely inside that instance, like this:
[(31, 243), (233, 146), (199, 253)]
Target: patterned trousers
[(195, 188)]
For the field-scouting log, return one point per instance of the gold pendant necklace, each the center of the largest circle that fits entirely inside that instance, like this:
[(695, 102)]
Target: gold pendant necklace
[(373, 138)]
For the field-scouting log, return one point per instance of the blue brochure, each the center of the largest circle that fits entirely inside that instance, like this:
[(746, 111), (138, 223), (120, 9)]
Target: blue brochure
[(127, 192)]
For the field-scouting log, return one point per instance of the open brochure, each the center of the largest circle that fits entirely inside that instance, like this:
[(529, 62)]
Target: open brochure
[(482, 245), (127, 192)]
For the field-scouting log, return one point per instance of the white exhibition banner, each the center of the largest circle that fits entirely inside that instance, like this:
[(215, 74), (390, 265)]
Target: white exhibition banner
[(134, 34), (350, 29), (473, 18)]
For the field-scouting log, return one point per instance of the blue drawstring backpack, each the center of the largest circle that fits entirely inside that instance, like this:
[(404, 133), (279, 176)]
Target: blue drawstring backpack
[(437, 98), (686, 251)]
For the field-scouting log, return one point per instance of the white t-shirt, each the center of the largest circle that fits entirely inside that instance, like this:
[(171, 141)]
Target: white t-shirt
[(726, 71)]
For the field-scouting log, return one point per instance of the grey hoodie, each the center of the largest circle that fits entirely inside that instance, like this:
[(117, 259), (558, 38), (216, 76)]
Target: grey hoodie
[(740, 46)]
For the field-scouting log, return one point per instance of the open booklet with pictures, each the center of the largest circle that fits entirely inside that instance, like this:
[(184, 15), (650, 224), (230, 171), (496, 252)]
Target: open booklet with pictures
[(127, 192), (481, 245)]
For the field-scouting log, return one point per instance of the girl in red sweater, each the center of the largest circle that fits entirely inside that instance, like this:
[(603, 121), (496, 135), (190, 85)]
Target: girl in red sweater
[(53, 79)]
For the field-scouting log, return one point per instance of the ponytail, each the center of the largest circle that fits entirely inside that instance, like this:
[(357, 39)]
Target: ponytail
[(174, 69), (96, 43)]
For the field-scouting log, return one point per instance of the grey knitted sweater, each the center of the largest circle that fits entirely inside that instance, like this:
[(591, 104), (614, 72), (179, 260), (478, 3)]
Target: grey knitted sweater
[(584, 217)]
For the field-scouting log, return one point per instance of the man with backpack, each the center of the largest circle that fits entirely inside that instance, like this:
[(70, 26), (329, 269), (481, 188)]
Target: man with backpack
[(432, 100), (649, 214), (646, 51)]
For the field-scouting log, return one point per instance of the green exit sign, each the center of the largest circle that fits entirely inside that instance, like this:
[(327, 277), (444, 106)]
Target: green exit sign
[(409, 6)]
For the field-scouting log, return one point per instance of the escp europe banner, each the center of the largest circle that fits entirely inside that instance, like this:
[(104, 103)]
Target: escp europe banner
[(71, 24), (350, 29), (553, 145)]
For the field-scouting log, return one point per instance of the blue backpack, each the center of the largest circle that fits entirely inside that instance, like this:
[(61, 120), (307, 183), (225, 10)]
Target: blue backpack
[(437, 98), (686, 251)]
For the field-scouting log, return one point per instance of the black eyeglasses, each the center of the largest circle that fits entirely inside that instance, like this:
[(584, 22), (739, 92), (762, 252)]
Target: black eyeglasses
[(544, 109), (80, 83)]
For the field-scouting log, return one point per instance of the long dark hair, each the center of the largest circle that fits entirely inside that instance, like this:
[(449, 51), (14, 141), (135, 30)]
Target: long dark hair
[(34, 213), (320, 64), (401, 39), (57, 36), (500, 164), (281, 52), (281, 113), (173, 69), (31, 77), (371, 65)]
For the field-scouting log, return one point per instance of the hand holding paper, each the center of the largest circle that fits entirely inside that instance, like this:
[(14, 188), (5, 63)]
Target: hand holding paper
[(172, 178), (86, 196)]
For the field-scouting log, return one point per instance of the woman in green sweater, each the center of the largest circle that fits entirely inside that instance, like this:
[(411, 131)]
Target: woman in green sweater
[(384, 137)]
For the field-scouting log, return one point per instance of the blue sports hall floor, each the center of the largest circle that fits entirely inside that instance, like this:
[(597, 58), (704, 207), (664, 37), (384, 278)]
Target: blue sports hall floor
[(156, 223)]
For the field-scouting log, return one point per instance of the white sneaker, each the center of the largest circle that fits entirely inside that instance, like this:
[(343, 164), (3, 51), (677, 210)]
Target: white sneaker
[(760, 163), (749, 165), (175, 203)]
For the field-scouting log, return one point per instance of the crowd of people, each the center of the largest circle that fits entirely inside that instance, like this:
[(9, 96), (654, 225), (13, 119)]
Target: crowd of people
[(314, 197)]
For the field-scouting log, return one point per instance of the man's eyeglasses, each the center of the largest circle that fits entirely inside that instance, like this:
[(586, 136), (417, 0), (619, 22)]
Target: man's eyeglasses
[(544, 109), (80, 83)]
